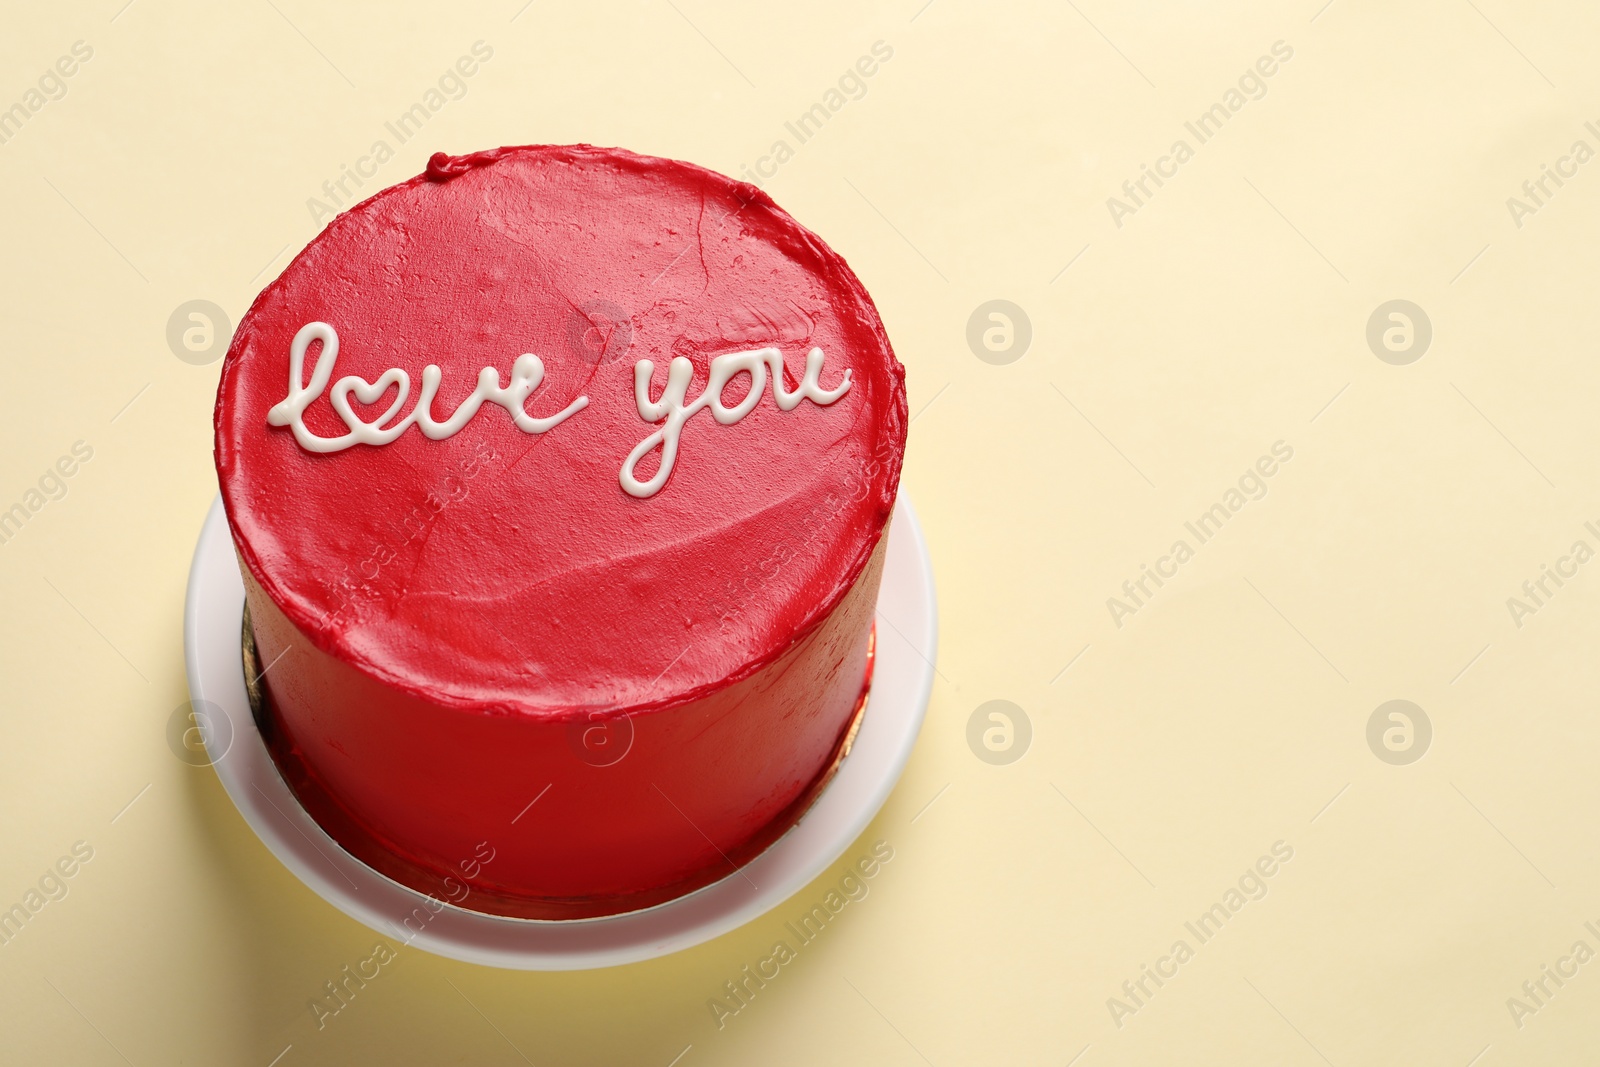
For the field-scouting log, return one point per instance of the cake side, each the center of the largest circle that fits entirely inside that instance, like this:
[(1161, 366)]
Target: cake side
[(657, 805)]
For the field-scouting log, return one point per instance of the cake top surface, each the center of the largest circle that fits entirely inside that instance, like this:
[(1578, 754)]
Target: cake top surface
[(560, 430)]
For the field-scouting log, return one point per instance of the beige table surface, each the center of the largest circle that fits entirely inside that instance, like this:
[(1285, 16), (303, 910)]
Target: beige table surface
[(1175, 340)]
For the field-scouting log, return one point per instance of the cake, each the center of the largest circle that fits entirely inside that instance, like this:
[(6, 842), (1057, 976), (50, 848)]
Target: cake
[(560, 479)]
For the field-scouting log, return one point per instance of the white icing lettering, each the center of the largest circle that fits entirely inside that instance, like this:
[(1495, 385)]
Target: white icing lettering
[(672, 410), (527, 372), (724, 369)]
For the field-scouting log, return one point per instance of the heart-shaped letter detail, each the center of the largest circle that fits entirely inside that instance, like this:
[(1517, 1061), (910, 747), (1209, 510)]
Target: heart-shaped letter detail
[(370, 393)]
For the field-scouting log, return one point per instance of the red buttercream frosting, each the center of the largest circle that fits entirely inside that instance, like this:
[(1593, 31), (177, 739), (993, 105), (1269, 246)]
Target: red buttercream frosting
[(452, 629)]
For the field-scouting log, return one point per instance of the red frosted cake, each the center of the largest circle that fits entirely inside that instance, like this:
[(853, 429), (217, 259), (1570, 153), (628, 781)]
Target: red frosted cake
[(560, 479)]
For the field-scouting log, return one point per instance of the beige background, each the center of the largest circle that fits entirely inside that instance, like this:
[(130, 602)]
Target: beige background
[(1227, 314)]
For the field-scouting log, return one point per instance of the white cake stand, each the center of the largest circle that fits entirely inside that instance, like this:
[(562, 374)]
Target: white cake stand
[(901, 684)]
